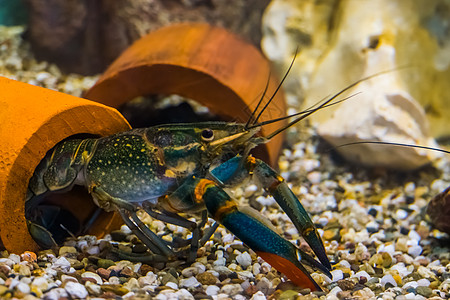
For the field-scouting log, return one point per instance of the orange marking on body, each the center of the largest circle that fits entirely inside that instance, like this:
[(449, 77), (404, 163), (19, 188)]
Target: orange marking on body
[(201, 188), (229, 206), (289, 269)]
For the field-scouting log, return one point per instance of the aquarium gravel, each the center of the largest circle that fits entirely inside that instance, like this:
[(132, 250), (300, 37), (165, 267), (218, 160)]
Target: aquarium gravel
[(372, 221)]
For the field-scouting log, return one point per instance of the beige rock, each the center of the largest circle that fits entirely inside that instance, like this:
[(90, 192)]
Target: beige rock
[(341, 42)]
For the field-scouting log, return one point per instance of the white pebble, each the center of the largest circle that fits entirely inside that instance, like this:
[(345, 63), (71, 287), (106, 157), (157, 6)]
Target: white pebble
[(125, 229), (200, 267), (221, 261), (256, 269), (314, 177), (76, 290), (93, 250), (92, 275), (15, 258), (189, 272), (7, 261), (149, 279), (265, 267), (172, 285), (245, 275), (184, 294), (401, 214), (362, 274), (56, 294), (62, 263), (266, 201), (415, 251), (414, 235), (423, 282), (189, 282), (250, 190), (337, 275), (212, 290), (335, 290), (388, 278), (401, 269), (244, 259), (114, 280), (232, 289), (23, 287), (409, 188), (258, 296)]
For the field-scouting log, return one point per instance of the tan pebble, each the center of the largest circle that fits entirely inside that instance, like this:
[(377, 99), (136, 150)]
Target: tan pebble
[(67, 250), (207, 278), (330, 234), (387, 259), (114, 288)]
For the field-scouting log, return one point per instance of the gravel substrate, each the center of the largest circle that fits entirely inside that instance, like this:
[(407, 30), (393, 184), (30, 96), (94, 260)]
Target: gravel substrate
[(372, 221)]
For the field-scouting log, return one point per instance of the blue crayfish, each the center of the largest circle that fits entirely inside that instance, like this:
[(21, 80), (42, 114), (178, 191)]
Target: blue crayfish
[(173, 169)]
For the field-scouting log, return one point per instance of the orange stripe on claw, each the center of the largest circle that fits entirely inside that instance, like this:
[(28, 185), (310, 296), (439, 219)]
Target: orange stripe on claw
[(201, 188), (289, 269)]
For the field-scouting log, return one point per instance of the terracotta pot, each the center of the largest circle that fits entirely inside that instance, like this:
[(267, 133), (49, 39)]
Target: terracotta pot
[(201, 62), (33, 120)]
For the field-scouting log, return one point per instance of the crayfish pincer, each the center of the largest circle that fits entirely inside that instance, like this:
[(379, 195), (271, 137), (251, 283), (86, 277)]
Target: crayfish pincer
[(176, 169)]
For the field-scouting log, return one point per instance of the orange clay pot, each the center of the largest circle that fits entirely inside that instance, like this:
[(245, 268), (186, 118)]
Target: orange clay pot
[(33, 120), (201, 62)]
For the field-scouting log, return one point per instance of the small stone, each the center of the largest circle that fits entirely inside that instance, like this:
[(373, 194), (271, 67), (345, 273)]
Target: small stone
[(23, 288), (105, 263), (126, 271), (232, 289), (133, 284), (189, 272), (93, 289), (172, 285), (331, 234), (189, 282), (212, 290), (92, 275), (424, 291), (115, 289), (62, 263), (415, 251), (206, 278), (67, 250), (76, 290), (388, 279), (288, 295), (244, 259), (258, 296), (103, 273), (148, 279), (337, 275)]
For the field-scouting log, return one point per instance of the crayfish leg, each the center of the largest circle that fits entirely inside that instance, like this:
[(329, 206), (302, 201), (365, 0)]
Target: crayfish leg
[(232, 171), (277, 251)]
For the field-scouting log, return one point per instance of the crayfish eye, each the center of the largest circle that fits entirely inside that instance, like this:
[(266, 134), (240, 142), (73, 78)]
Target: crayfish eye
[(207, 135)]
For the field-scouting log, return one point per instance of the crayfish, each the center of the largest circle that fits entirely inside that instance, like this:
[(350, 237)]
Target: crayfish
[(168, 170)]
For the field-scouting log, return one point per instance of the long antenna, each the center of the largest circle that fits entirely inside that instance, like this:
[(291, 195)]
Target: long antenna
[(393, 144), (259, 102), (325, 103), (308, 110), (278, 87)]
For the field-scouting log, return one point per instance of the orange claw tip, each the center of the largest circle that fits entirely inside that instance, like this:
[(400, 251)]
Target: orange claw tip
[(293, 271)]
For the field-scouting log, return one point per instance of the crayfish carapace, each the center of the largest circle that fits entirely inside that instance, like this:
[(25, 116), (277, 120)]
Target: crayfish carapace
[(183, 168)]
